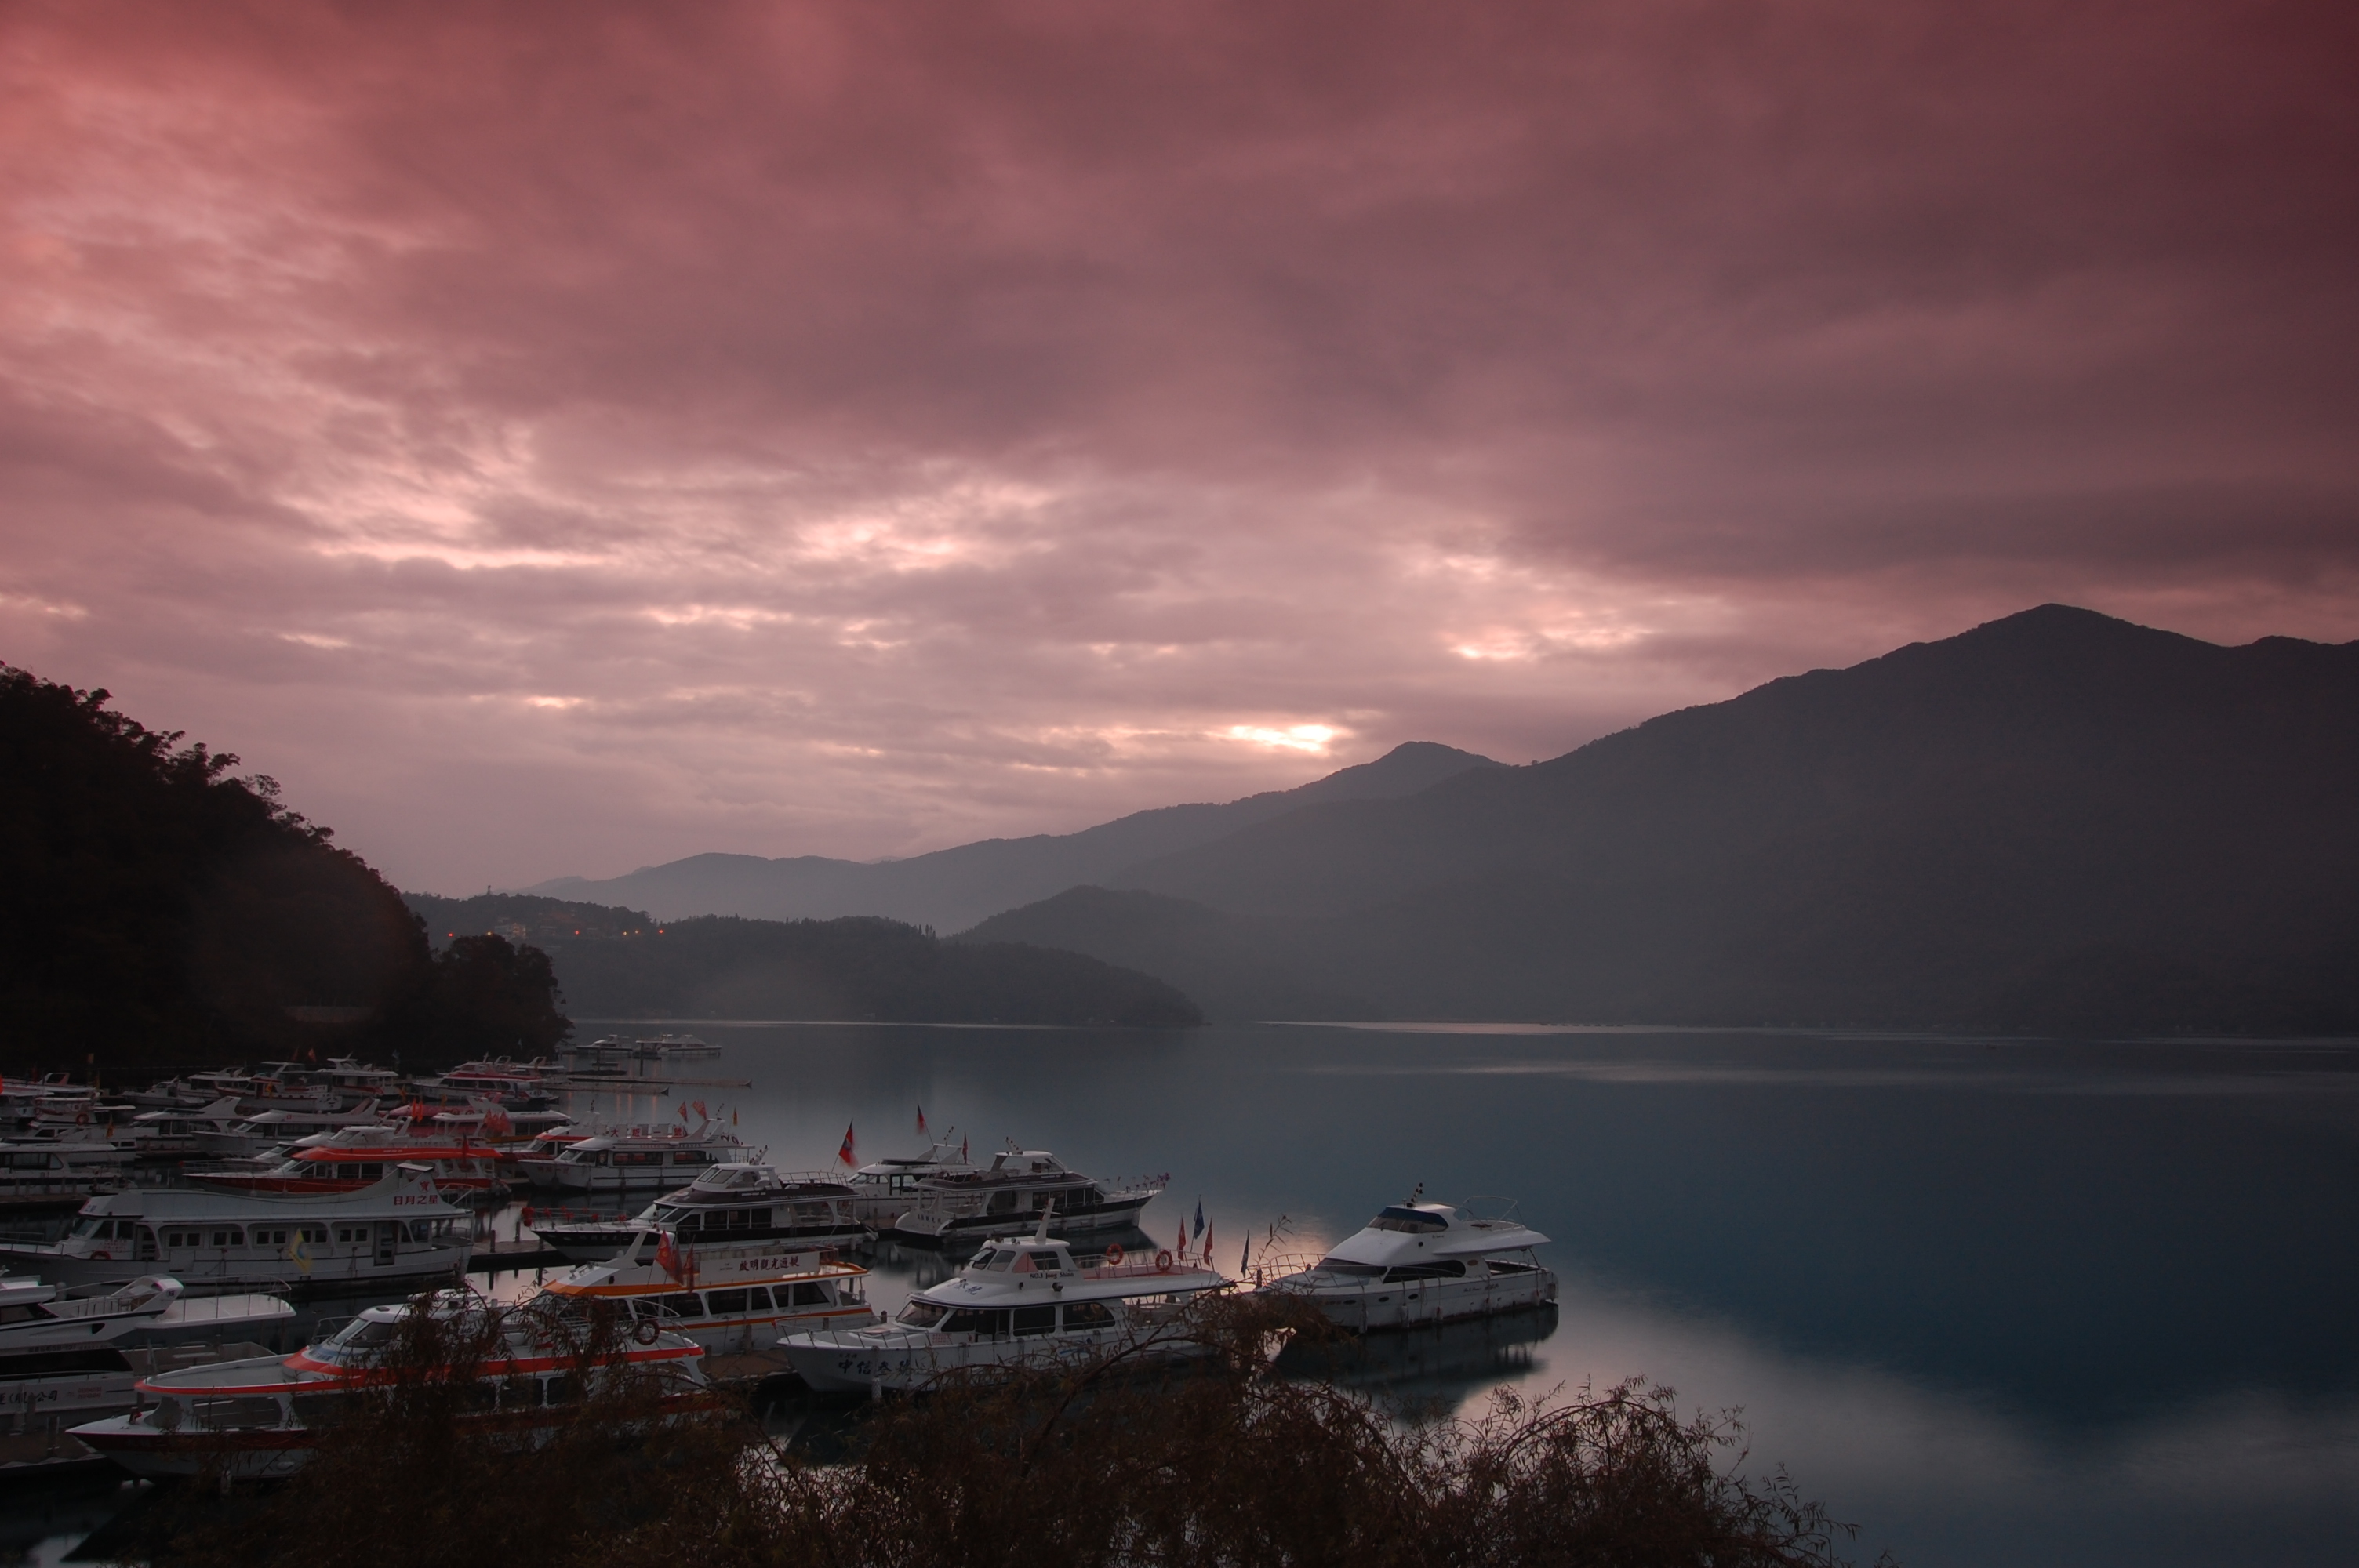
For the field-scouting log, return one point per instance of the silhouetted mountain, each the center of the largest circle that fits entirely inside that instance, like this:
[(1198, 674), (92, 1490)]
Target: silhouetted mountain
[(2057, 821), (953, 887), (162, 910), (852, 968)]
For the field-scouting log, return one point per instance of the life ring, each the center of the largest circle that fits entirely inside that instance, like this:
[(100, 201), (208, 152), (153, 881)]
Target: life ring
[(1115, 1255), (1163, 1261), (646, 1331)]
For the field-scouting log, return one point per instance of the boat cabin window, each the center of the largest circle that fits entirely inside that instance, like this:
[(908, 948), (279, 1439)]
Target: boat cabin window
[(350, 1234), (726, 1304), (230, 1236), (671, 1214), (1439, 1269), (682, 1303), (805, 1297), (1331, 1265), (21, 1312), (690, 1157), (1045, 1263), (1414, 1220), (1002, 1202), (263, 1237), (363, 1332), (1088, 1314), (312, 1233), (999, 1259), (101, 1230), (35, 1160), (981, 1321), (917, 1314), (372, 1170), (1032, 1320)]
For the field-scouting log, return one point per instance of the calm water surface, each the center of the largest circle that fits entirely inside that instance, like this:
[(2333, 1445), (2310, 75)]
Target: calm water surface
[(1999, 1303)]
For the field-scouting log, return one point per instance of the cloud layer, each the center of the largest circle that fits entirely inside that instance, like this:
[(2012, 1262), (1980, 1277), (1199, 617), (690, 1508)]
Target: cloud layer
[(560, 438)]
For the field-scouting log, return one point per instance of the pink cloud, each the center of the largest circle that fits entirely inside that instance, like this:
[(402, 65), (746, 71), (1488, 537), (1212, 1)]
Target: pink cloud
[(560, 438)]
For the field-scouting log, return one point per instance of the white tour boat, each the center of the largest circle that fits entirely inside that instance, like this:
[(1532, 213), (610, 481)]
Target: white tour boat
[(884, 1190), (641, 1158), (265, 1130), (737, 1202), (396, 1233), (79, 1354), (256, 1419), (726, 1298), (1008, 1197), (1425, 1263), (1021, 1303)]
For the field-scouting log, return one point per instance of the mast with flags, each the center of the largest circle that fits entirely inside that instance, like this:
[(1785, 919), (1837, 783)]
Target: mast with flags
[(921, 1121)]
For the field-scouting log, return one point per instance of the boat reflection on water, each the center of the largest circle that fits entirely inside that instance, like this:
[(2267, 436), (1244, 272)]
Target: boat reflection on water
[(1441, 1365)]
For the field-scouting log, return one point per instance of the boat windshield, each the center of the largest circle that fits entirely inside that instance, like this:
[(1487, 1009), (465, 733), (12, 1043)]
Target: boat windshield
[(1332, 1265), (1397, 1217), (363, 1332), (922, 1315), (1000, 1258)]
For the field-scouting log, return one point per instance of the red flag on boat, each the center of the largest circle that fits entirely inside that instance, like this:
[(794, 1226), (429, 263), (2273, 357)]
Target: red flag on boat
[(921, 1121), (668, 1255), (1182, 1250), (845, 1154), (1208, 1245)]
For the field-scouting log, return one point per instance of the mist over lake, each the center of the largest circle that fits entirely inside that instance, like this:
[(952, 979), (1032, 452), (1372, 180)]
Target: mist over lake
[(1996, 1301)]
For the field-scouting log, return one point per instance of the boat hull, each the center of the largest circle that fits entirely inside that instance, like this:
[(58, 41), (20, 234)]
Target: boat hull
[(1375, 1306), (867, 1363), (230, 1273), (596, 1243)]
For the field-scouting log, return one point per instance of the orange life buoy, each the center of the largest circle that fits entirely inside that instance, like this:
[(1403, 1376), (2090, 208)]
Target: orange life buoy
[(1115, 1255), (1163, 1261), (646, 1331)]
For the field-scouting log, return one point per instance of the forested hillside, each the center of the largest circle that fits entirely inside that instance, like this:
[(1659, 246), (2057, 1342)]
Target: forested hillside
[(161, 908), (613, 963)]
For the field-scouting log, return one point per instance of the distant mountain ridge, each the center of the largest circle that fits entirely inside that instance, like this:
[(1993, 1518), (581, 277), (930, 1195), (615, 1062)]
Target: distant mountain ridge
[(951, 889), (2057, 820)]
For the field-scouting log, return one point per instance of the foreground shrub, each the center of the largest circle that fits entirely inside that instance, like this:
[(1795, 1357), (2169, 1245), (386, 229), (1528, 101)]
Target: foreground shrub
[(1110, 1463)]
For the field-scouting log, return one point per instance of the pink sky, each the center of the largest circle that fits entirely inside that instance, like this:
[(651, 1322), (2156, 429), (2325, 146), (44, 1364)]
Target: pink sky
[(560, 438)]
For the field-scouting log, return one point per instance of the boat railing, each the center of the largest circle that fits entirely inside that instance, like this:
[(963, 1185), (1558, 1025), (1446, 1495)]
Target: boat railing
[(1145, 1269), (1272, 1267)]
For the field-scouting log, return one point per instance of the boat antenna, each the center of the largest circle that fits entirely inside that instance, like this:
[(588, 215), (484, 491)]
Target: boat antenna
[(1418, 1193), (1040, 1231)]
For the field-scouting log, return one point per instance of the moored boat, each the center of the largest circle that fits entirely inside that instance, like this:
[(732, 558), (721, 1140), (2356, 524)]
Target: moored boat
[(640, 1158), (884, 1190), (1419, 1263), (1009, 1196), (1017, 1304), (727, 1298), (394, 1235), (260, 1418), (739, 1202)]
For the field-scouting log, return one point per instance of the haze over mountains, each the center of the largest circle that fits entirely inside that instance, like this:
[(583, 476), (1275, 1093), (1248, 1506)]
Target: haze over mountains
[(951, 889), (2057, 820)]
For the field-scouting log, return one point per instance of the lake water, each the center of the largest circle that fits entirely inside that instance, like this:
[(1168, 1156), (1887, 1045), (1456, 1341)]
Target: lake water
[(1998, 1301)]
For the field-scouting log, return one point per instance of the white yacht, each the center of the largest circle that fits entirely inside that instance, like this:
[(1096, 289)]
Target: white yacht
[(265, 1130), (1021, 1303), (616, 1163), (395, 1234), (1424, 1263), (737, 1202), (886, 1189), (175, 1134), (1011, 1195), (254, 1419), (728, 1298)]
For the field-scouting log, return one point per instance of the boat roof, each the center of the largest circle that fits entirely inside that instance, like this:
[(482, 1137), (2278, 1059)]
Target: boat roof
[(404, 1191), (1402, 1232), (1037, 1270)]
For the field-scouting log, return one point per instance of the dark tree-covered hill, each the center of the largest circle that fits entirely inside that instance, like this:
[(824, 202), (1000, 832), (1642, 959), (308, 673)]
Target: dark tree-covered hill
[(858, 967), (162, 909), (2056, 821)]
